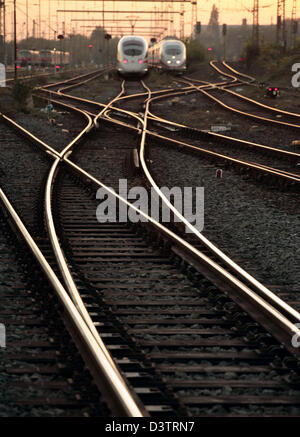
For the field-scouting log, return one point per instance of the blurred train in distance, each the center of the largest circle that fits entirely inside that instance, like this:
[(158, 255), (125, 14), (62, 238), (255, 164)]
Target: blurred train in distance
[(50, 58), (27, 57), (168, 55), (42, 58), (132, 56)]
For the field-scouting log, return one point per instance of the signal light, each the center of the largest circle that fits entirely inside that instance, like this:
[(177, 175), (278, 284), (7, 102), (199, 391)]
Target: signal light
[(18, 66), (140, 61), (125, 61), (209, 49), (57, 67), (90, 45), (272, 91)]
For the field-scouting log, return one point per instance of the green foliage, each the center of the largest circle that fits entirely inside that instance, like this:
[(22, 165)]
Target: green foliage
[(271, 62), (195, 52)]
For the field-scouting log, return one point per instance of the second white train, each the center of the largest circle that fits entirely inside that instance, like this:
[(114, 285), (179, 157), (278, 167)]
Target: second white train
[(168, 55)]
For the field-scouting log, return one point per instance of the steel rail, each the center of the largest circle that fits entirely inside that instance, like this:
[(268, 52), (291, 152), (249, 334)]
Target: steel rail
[(266, 169), (238, 72), (214, 135), (262, 289), (124, 396), (12, 79), (106, 107), (291, 177), (271, 170), (103, 365), (281, 153), (44, 87), (63, 266), (89, 102), (235, 282), (248, 99), (129, 404), (203, 239), (212, 64), (287, 326), (174, 91), (74, 85), (262, 105), (238, 141), (230, 261), (238, 111)]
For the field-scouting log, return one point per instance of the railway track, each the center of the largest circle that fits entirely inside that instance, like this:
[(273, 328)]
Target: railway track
[(284, 173), (242, 105), (197, 357)]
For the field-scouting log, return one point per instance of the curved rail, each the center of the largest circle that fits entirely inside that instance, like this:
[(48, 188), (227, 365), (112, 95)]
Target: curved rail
[(212, 64), (106, 372), (273, 310), (245, 98), (214, 135), (252, 79), (238, 111), (259, 287), (124, 396)]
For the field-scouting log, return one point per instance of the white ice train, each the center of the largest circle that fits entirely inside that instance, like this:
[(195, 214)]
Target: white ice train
[(132, 55), (168, 55)]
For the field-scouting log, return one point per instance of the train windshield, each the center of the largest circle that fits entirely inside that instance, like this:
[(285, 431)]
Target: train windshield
[(173, 50), (133, 50)]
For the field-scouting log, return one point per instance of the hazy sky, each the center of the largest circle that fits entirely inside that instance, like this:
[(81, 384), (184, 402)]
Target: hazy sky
[(231, 12)]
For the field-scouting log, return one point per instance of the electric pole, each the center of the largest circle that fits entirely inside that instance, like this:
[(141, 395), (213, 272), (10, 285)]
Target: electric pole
[(15, 41), (2, 32), (281, 24), (194, 16), (27, 32), (294, 23), (181, 20), (255, 31)]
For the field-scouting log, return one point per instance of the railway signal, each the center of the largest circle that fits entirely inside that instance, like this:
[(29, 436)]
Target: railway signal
[(60, 37), (272, 91)]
